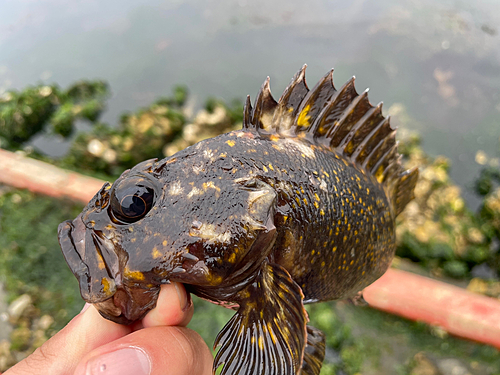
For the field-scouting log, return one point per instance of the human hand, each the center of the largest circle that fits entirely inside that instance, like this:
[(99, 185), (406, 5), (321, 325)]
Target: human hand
[(158, 344)]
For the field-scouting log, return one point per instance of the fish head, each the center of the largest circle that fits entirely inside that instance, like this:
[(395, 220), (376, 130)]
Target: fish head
[(148, 229)]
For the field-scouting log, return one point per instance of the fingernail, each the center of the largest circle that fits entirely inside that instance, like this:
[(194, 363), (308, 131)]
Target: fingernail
[(127, 361), (184, 297)]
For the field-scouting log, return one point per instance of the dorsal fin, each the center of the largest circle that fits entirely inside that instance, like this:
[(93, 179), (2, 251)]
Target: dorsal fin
[(343, 121)]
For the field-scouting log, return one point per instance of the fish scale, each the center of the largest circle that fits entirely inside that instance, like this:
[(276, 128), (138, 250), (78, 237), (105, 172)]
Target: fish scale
[(298, 206)]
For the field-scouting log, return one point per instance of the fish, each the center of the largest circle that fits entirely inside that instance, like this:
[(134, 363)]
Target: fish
[(297, 207)]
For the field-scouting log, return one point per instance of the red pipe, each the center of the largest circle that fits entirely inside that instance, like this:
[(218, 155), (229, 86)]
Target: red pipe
[(25, 173), (458, 311), (415, 297)]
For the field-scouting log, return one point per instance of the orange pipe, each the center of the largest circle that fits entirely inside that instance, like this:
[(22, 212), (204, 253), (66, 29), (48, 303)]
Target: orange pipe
[(25, 173), (458, 311), (414, 297)]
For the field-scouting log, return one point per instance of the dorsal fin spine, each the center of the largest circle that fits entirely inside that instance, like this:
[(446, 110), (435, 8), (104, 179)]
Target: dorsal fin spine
[(362, 130), (363, 146), (247, 114), (371, 159), (345, 114), (375, 170), (294, 92), (358, 126), (318, 97), (335, 102), (264, 107)]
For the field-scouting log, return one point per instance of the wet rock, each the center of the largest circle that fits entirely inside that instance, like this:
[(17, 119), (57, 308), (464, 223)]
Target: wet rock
[(6, 359), (452, 366), (20, 338), (44, 322), (424, 366), (18, 306), (484, 271)]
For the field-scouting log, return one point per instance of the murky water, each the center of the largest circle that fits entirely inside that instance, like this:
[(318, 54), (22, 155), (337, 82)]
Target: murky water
[(440, 60)]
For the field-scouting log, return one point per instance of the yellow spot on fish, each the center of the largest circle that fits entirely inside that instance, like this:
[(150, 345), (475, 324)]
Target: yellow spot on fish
[(135, 275), (106, 285), (322, 212), (316, 204), (133, 240), (156, 254), (175, 188), (231, 143), (232, 258), (271, 167), (285, 218), (261, 343), (210, 184), (264, 168), (164, 243), (100, 262), (194, 191), (303, 119)]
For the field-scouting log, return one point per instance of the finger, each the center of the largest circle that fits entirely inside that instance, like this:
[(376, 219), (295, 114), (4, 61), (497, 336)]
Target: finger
[(151, 351), (173, 308), (60, 355)]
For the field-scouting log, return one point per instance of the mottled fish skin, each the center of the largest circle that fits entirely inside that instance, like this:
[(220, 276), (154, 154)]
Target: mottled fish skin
[(299, 206)]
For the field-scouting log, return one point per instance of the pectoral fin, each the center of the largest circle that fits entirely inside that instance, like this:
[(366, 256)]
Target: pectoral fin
[(267, 335)]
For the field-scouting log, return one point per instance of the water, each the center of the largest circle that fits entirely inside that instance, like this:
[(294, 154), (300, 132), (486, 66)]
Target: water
[(441, 60)]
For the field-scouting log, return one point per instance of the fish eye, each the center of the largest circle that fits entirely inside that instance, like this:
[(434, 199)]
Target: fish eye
[(132, 199)]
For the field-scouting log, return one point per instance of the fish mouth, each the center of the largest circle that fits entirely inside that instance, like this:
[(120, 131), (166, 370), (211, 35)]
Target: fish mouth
[(128, 306), (97, 269)]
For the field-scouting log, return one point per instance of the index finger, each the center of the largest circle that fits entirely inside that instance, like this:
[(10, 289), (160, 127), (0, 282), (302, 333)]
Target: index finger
[(173, 308)]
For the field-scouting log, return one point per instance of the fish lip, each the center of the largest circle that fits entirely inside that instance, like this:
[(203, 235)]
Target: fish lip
[(77, 245), (71, 253)]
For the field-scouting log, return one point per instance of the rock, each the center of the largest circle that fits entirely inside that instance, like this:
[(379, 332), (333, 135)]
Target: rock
[(484, 271), (45, 322), (18, 306), (452, 366), (424, 366), (6, 359), (20, 338)]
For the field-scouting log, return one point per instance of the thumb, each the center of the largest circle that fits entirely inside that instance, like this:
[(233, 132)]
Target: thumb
[(61, 354), (151, 351)]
